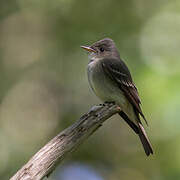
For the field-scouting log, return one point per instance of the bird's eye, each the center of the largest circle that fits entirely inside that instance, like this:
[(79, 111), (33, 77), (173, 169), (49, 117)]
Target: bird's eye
[(101, 49)]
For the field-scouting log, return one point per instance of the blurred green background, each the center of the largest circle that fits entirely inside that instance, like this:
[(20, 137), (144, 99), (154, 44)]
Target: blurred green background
[(44, 87)]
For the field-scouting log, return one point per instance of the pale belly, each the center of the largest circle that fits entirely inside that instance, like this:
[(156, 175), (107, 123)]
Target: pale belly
[(104, 87), (107, 90)]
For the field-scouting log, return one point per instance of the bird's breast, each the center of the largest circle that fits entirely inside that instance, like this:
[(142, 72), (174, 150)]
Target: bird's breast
[(105, 88)]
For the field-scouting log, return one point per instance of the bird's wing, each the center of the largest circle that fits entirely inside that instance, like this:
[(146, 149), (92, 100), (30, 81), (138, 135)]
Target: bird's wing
[(119, 73)]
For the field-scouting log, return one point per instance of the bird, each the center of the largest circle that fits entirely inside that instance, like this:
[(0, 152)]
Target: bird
[(111, 81)]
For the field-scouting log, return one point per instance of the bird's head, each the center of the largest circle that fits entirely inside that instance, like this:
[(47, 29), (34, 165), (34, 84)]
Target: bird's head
[(104, 48)]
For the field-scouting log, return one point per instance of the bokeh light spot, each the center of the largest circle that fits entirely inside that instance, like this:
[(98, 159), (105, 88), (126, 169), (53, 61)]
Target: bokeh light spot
[(160, 42)]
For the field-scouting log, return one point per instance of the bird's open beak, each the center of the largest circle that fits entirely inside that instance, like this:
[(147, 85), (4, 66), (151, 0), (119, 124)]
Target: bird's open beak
[(88, 49)]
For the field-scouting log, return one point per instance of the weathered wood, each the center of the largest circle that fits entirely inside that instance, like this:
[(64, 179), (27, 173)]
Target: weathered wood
[(47, 158)]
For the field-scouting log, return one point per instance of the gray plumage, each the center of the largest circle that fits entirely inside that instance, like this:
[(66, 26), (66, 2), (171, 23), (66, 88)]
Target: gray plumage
[(111, 81)]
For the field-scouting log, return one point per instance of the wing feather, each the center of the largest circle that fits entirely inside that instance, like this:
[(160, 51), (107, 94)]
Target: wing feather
[(119, 73)]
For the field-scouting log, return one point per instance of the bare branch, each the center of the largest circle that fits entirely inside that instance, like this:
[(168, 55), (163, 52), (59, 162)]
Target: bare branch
[(47, 158)]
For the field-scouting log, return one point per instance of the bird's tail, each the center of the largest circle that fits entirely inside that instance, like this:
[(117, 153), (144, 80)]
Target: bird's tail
[(145, 141), (138, 129)]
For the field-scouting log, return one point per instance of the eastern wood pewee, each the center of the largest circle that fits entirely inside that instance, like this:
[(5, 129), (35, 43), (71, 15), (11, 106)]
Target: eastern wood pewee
[(111, 81)]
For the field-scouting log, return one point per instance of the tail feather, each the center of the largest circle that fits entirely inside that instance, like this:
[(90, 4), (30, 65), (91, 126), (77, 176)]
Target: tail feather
[(129, 122), (145, 141), (138, 129)]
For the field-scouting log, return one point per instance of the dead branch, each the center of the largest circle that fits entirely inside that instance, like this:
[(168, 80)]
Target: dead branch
[(48, 157)]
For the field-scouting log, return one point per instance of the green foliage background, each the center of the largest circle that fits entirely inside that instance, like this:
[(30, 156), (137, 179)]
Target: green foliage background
[(44, 88)]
